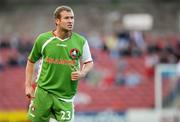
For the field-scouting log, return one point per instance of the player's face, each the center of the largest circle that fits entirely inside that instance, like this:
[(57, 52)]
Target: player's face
[(66, 22)]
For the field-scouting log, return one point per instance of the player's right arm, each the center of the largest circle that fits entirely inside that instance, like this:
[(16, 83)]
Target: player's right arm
[(34, 56), (29, 91)]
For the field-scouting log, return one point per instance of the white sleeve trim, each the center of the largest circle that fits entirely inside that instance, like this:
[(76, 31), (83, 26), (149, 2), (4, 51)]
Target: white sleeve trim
[(86, 56), (44, 45)]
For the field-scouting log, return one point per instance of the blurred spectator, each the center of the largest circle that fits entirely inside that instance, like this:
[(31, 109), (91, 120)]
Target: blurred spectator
[(12, 61), (177, 50), (109, 80), (120, 78), (135, 51), (14, 42), (178, 76), (124, 43), (167, 52), (153, 48), (122, 64), (151, 61), (111, 42), (130, 78), (4, 43), (138, 38), (13, 58), (133, 78), (1, 64), (178, 69), (166, 57), (94, 77), (24, 47), (138, 45), (21, 60), (94, 40)]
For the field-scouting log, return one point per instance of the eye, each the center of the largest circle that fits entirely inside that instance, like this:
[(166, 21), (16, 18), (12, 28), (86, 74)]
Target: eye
[(66, 17), (69, 17)]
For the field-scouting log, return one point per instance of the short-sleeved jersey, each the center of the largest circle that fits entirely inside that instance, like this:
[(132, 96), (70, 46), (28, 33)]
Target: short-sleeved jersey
[(58, 59)]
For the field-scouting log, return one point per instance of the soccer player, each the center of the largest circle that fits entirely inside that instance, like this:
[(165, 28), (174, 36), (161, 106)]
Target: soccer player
[(60, 51)]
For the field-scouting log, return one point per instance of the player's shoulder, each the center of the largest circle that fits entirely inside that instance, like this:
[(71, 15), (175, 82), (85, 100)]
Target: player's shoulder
[(43, 37), (79, 36), (46, 35)]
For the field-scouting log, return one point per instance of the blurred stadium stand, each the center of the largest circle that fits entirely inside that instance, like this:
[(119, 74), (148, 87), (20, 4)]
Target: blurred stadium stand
[(123, 75)]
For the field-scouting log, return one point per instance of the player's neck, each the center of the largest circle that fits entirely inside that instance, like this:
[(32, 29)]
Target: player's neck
[(62, 34)]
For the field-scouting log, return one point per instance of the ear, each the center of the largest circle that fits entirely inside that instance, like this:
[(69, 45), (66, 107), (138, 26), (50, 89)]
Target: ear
[(57, 21)]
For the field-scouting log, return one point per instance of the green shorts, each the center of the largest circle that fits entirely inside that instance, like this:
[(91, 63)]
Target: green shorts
[(46, 105)]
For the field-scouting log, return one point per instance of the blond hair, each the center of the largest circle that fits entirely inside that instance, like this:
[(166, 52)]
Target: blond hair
[(59, 9)]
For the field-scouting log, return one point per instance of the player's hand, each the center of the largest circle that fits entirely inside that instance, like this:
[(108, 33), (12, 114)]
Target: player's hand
[(76, 75), (29, 92)]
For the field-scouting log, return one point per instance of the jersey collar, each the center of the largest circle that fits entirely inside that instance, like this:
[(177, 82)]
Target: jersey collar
[(60, 38)]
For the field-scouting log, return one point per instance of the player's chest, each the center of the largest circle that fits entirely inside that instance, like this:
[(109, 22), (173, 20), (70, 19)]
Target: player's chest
[(62, 49)]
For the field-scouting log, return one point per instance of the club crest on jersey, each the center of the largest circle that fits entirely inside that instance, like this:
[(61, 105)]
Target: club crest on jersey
[(74, 53)]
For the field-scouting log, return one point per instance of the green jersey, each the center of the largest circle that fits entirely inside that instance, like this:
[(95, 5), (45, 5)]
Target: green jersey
[(58, 59)]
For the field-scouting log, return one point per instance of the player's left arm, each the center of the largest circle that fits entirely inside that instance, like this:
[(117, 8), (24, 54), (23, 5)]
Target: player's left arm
[(87, 64)]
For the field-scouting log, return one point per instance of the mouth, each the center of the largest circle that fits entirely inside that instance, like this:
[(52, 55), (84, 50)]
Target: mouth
[(70, 26)]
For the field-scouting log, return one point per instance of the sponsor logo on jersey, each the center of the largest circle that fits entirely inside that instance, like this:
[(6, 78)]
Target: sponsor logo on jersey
[(60, 61), (74, 53), (61, 45)]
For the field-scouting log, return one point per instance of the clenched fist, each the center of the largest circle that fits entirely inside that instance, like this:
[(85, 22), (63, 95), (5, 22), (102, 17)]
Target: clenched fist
[(77, 75)]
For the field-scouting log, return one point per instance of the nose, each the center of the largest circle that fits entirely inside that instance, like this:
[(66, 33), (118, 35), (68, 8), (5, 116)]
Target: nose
[(70, 20)]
